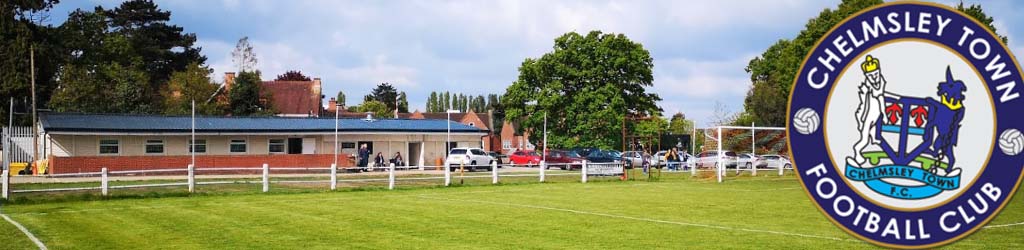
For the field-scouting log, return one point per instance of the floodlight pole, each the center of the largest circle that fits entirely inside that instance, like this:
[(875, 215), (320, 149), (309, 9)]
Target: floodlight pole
[(448, 122), (337, 111)]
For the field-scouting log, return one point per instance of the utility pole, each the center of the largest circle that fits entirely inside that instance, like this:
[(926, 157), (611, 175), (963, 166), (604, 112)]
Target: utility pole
[(32, 75)]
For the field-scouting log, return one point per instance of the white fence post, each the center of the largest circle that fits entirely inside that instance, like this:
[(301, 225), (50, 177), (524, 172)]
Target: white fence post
[(334, 176), (494, 172), (266, 178), (391, 176), (780, 169), (7, 183), (447, 174), (543, 166), (583, 172), (693, 167), (191, 178), (104, 182)]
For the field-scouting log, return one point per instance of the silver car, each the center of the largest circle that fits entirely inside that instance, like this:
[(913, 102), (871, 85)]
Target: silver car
[(774, 162), (636, 158)]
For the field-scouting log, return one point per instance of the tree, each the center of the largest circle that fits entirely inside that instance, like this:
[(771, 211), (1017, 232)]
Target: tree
[(293, 75), (341, 97), (773, 71), (161, 47), (379, 109), (245, 96), (447, 102), (385, 93), (244, 57), (403, 103), (193, 84), (432, 102), (679, 125), (21, 31), (124, 90), (587, 86), (977, 13)]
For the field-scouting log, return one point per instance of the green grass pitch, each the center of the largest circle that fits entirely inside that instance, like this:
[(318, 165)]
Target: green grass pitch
[(673, 213)]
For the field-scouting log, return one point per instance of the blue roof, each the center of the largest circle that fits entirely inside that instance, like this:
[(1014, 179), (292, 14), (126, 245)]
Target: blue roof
[(77, 122)]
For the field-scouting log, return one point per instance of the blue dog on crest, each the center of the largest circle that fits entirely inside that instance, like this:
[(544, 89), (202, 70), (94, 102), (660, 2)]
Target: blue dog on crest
[(946, 117)]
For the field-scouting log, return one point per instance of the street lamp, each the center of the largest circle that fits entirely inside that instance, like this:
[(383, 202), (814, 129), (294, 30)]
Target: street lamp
[(448, 141), (337, 112)]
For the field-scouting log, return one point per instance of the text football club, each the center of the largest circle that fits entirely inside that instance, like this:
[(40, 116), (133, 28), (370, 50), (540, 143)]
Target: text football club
[(902, 127)]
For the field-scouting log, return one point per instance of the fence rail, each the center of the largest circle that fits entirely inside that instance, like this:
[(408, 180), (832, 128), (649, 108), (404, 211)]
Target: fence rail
[(265, 178)]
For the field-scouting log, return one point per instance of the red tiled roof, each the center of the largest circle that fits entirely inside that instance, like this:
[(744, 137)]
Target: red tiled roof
[(293, 97)]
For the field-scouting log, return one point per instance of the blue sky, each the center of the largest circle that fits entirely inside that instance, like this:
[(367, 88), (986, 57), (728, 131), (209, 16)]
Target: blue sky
[(475, 47)]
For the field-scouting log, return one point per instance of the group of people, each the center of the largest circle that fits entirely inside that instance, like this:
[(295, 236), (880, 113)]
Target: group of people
[(379, 160), (673, 159)]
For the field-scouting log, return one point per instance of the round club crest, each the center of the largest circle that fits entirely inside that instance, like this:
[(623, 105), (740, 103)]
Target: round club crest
[(902, 128)]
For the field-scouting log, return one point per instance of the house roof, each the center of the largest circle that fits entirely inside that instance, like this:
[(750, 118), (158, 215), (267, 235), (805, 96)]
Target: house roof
[(293, 97), (77, 122), (442, 116)]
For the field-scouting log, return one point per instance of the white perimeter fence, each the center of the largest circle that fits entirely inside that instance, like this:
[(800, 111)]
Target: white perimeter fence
[(584, 170)]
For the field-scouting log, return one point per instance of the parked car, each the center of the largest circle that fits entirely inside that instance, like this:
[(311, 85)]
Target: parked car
[(773, 162), (497, 157), (524, 157), (615, 153), (566, 160), (601, 156), (583, 151), (659, 158), (708, 159), (636, 158), (746, 160), (469, 158)]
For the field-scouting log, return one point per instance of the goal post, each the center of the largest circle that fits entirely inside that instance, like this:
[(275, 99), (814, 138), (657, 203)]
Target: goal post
[(740, 148)]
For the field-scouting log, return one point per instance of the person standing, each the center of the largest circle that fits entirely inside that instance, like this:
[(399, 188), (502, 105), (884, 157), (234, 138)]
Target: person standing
[(364, 156)]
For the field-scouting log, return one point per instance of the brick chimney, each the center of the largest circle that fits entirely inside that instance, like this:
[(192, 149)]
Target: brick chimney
[(332, 105), (229, 79), (317, 93)]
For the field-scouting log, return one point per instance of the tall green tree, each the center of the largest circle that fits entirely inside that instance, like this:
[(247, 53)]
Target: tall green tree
[(447, 102), (341, 97), (22, 31), (432, 102), (163, 48), (403, 103), (385, 93), (679, 125), (773, 71), (587, 86), (245, 96), (192, 84)]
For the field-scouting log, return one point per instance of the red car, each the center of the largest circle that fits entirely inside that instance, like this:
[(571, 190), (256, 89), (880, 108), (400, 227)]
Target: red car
[(566, 160), (524, 157)]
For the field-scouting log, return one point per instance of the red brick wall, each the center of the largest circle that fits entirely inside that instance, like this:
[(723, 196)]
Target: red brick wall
[(79, 164)]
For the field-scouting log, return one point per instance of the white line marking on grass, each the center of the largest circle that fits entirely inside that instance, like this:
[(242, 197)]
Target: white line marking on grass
[(1006, 225), (25, 230), (641, 219)]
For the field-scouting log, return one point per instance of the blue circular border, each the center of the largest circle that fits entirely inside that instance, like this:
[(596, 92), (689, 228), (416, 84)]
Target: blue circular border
[(1003, 171)]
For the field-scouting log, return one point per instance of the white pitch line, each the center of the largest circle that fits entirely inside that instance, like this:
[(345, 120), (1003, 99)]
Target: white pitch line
[(1005, 225), (25, 230), (642, 219)]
